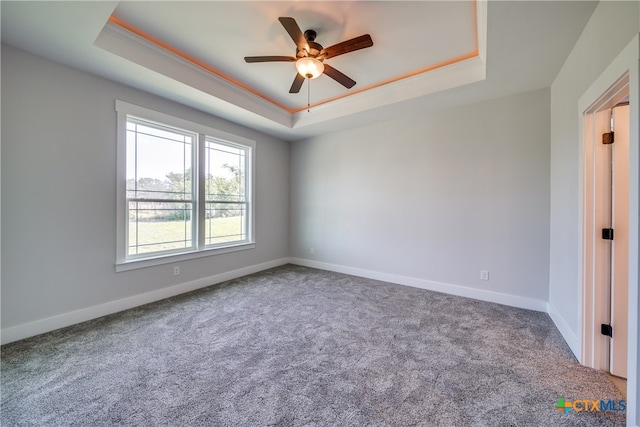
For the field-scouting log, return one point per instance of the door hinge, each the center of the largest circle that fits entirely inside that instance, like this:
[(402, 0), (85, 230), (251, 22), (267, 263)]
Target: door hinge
[(607, 138), (607, 233), (606, 330)]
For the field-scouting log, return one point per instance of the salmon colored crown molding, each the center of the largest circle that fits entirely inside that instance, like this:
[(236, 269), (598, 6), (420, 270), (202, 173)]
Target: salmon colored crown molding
[(194, 61), (117, 21)]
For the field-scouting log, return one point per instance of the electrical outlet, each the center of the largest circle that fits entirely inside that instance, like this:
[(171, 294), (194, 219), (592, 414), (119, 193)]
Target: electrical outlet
[(312, 251), (176, 270), (484, 274)]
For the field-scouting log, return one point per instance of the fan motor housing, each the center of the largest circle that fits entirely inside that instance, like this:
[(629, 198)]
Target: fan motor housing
[(314, 50)]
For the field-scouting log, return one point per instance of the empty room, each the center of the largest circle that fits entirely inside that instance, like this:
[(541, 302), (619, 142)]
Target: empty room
[(331, 213)]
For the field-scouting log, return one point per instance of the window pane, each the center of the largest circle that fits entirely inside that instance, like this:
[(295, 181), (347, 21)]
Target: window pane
[(225, 172), (159, 169), (155, 226), (225, 222), (159, 162)]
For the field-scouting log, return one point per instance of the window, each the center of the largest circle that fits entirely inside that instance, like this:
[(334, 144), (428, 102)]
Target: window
[(160, 196), (225, 193), (184, 190)]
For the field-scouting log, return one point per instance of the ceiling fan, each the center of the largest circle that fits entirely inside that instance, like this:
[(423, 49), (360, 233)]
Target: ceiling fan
[(310, 55)]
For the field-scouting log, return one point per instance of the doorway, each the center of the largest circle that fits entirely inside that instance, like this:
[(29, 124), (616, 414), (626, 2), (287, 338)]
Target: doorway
[(606, 160)]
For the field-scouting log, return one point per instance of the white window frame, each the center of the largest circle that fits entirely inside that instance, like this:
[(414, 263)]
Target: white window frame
[(124, 262)]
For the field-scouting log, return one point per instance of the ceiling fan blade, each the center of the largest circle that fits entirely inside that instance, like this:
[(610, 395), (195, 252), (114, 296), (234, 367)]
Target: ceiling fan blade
[(338, 76), (269, 58), (347, 46), (297, 84), (294, 31)]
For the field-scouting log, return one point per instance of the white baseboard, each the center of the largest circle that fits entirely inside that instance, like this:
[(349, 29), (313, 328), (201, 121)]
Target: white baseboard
[(41, 326), (463, 291), (572, 341)]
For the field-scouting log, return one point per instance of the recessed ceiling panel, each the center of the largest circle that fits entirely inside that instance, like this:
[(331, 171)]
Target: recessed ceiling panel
[(409, 38)]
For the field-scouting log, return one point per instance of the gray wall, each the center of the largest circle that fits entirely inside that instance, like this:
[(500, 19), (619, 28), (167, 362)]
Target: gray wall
[(435, 196), (610, 29), (59, 193)]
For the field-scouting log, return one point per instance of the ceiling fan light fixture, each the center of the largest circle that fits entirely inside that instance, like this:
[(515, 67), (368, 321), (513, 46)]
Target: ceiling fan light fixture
[(309, 55), (309, 67)]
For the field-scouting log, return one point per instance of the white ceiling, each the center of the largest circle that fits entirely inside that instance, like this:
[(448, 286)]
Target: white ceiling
[(509, 47)]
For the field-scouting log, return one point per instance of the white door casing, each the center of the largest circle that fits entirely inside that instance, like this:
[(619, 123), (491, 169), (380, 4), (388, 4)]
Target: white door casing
[(620, 243)]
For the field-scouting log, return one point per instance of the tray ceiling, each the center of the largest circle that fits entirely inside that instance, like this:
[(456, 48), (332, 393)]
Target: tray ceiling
[(425, 53)]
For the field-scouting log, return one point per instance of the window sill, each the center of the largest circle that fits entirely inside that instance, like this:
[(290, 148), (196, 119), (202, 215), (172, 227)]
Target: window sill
[(173, 258)]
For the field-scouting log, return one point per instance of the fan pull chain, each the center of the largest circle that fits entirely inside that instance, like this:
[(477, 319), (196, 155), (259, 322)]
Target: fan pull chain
[(309, 96)]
